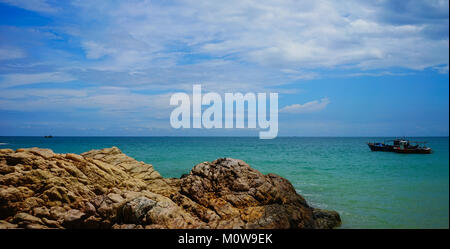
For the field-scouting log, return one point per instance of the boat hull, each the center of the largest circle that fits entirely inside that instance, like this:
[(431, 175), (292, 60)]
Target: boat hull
[(390, 148), (413, 151), (380, 147)]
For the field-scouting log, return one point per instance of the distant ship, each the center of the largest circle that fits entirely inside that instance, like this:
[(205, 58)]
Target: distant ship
[(49, 136), (401, 146)]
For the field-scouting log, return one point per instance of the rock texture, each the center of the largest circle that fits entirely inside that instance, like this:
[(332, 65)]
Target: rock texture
[(107, 189)]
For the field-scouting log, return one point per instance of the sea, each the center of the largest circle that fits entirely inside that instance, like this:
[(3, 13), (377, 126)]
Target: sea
[(368, 189)]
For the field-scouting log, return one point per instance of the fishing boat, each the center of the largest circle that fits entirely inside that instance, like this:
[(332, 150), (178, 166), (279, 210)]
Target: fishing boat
[(49, 136), (401, 146)]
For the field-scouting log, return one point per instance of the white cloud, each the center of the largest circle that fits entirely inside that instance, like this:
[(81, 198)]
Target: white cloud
[(95, 50), (11, 53), (299, 35), (107, 101), (312, 106), (43, 93), (442, 69), (9, 80), (122, 53), (259, 44), (299, 75), (33, 5), (377, 74)]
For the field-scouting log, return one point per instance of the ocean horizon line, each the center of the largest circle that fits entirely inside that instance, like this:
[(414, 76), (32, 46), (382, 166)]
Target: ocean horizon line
[(126, 136)]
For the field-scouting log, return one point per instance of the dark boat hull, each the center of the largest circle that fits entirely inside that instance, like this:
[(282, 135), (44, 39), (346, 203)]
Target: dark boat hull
[(390, 148), (413, 151), (381, 147)]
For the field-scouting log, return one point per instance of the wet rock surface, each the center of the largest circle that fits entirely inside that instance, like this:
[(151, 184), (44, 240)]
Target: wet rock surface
[(107, 189)]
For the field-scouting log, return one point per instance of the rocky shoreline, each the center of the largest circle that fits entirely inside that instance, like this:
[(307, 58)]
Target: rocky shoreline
[(107, 189)]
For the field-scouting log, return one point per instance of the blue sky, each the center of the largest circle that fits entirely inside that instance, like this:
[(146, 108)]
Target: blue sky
[(341, 68)]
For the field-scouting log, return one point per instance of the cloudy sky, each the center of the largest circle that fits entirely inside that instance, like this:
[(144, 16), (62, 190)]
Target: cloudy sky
[(341, 68)]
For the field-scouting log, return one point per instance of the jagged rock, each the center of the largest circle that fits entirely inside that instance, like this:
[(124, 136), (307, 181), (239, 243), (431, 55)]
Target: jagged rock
[(135, 210), (126, 226), (41, 212), (7, 225), (107, 189), (73, 218), (242, 197), (57, 213), (51, 223), (24, 219), (326, 218), (92, 222), (89, 209)]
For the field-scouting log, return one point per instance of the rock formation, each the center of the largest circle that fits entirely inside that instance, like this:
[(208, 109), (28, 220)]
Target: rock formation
[(107, 189)]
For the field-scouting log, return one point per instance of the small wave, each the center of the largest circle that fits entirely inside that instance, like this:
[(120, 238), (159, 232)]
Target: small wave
[(3, 143), (318, 205), (303, 194)]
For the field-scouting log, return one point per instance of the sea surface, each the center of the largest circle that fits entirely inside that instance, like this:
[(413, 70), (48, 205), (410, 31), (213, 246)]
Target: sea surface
[(368, 189)]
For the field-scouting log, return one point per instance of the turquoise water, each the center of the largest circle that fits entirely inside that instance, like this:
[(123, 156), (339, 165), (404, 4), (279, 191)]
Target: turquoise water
[(369, 189)]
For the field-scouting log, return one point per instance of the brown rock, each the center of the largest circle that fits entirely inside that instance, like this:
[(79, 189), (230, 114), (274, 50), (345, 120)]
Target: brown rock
[(45, 153), (7, 225), (74, 157), (24, 219), (51, 223), (135, 210), (327, 219), (92, 222), (41, 212), (107, 189), (243, 197), (57, 213), (73, 218), (89, 209), (35, 226), (116, 198)]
